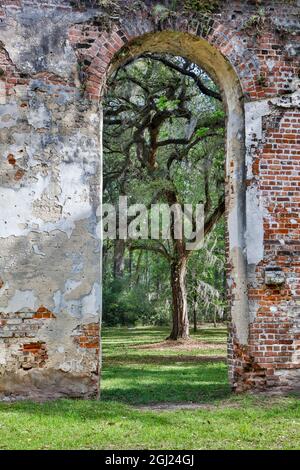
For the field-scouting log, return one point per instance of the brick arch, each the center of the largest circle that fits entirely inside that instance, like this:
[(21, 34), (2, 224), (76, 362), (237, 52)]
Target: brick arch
[(214, 53), (97, 48)]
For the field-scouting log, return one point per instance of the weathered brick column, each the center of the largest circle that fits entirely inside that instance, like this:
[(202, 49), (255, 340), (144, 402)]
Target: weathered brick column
[(54, 58)]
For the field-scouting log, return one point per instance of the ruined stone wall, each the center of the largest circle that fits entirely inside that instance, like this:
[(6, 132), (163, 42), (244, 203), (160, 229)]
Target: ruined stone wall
[(49, 196), (54, 57)]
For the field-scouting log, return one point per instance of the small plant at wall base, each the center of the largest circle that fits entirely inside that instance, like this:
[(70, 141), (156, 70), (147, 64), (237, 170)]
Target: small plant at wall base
[(190, 6), (262, 81), (203, 6), (256, 21)]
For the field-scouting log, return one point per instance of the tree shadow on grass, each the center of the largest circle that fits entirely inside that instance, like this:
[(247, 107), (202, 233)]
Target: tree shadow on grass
[(159, 359), (111, 333), (106, 412), (141, 377), (183, 382)]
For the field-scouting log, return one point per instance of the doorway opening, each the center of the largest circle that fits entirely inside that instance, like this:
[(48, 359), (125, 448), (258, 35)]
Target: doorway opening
[(164, 289)]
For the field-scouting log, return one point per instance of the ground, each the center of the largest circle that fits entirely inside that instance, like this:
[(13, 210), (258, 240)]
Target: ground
[(157, 396)]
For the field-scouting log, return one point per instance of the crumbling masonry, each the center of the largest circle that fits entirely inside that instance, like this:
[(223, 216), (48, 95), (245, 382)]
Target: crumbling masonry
[(54, 59)]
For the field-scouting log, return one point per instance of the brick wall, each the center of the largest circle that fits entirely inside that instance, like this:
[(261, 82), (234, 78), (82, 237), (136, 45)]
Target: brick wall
[(55, 72)]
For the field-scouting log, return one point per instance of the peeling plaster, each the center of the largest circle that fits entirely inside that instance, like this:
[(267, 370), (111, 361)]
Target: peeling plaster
[(84, 307), (47, 48), (17, 215), (8, 116), (21, 300), (39, 116), (254, 112), (16, 208), (37, 251), (255, 228)]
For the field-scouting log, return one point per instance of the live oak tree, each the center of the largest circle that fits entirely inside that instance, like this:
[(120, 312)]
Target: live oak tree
[(163, 143)]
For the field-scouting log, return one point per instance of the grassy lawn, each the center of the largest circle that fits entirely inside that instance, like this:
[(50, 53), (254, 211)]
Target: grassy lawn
[(141, 382), (135, 374)]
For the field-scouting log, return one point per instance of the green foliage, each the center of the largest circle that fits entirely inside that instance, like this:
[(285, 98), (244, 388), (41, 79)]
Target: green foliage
[(262, 81), (142, 298), (218, 114), (122, 305), (105, 3), (202, 6), (202, 131), (160, 12), (164, 104), (174, 7), (256, 21)]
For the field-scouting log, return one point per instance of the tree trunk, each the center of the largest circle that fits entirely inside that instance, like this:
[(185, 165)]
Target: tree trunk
[(104, 260), (130, 264), (138, 265), (119, 258), (180, 329), (195, 306), (194, 299)]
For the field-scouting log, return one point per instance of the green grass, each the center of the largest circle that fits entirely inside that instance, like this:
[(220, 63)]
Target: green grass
[(143, 376), (133, 376)]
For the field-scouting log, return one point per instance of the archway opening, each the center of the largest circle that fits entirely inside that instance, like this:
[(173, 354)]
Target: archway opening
[(164, 126)]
